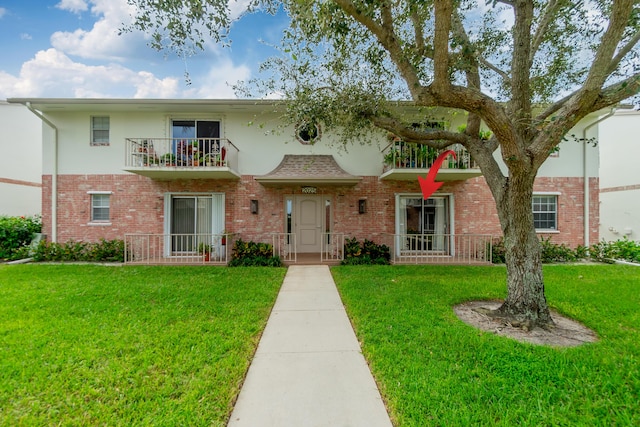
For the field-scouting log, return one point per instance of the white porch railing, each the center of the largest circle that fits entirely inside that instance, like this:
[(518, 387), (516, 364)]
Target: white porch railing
[(177, 248), (284, 246), (440, 248), (332, 247), (172, 152)]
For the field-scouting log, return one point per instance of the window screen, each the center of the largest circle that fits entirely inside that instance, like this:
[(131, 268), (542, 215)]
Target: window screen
[(545, 212), (99, 130), (100, 207)]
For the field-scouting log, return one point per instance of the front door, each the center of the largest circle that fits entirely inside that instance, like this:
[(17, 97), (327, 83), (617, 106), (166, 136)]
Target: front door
[(309, 223)]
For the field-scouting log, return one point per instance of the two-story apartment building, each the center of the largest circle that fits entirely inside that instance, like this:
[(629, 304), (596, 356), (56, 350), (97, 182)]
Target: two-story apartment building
[(188, 172)]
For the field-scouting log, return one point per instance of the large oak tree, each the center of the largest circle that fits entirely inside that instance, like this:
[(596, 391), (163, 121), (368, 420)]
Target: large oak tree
[(527, 70)]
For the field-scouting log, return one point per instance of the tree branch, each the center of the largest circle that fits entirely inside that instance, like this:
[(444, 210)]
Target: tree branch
[(520, 65), (418, 33), (505, 76), (623, 52), (389, 40), (547, 17), (436, 138), (443, 15), (599, 71), (607, 97)]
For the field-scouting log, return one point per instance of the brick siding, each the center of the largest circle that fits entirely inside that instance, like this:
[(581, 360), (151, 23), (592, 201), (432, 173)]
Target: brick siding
[(137, 206)]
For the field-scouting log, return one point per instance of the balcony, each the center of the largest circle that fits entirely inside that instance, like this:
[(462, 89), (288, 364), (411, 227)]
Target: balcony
[(407, 161), (170, 158)]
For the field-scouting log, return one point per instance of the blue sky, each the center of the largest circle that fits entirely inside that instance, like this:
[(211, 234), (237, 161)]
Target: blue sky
[(70, 49)]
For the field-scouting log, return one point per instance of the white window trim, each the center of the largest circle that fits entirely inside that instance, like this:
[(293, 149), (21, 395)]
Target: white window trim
[(451, 218), (217, 224), (549, 193), (100, 223), (93, 143)]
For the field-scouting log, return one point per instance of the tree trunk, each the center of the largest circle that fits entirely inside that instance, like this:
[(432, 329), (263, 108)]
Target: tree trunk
[(526, 304)]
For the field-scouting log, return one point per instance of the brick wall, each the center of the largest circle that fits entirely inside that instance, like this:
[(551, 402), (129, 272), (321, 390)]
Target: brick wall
[(137, 206)]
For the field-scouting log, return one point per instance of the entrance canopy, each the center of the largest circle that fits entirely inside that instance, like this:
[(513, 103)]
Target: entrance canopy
[(308, 170)]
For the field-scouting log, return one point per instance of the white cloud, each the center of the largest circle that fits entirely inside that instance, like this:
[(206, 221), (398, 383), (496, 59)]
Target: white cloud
[(237, 8), (75, 6), (53, 74), (25, 36), (97, 62), (217, 82), (102, 40)]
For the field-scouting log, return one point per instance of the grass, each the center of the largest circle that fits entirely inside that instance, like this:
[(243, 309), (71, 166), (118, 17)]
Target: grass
[(433, 369), (95, 345)]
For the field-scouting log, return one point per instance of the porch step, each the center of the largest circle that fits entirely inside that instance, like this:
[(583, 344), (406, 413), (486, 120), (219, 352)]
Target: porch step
[(311, 259)]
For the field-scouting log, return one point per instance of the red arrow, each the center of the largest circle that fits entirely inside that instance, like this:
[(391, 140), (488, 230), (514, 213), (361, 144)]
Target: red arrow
[(429, 184)]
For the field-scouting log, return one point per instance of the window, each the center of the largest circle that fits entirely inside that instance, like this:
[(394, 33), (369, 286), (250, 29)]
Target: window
[(192, 220), (425, 224), (100, 207), (545, 212), (197, 140), (100, 130), (308, 133)]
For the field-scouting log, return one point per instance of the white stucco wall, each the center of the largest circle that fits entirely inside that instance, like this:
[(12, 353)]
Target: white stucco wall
[(261, 150), (619, 145), (20, 162)]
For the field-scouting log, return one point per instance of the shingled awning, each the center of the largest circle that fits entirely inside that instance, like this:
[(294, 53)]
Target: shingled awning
[(308, 170)]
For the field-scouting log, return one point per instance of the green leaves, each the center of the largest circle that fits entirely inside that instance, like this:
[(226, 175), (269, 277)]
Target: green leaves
[(16, 232)]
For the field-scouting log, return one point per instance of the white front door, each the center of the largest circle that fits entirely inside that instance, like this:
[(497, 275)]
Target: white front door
[(309, 223)]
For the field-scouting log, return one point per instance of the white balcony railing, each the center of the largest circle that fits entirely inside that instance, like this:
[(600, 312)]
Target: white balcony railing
[(177, 248), (404, 155), (180, 153)]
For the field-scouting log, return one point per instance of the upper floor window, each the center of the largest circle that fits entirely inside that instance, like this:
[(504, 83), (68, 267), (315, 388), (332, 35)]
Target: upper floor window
[(189, 129), (100, 130), (308, 133), (100, 207), (545, 212)]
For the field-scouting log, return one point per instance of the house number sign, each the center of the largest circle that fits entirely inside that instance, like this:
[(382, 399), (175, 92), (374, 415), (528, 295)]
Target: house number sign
[(309, 190)]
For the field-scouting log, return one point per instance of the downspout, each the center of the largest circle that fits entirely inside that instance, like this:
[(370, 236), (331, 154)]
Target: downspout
[(54, 174), (586, 175)]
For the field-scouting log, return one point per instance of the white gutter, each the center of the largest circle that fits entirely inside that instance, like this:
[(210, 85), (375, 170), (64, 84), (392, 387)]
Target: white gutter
[(586, 175), (54, 174)]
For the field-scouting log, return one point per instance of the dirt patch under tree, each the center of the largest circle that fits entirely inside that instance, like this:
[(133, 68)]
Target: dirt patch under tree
[(565, 332)]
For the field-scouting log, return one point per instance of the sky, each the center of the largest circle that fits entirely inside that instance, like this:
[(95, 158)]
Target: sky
[(71, 49)]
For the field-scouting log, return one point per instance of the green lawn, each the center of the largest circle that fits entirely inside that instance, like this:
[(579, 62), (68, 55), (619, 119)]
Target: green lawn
[(433, 369), (95, 345)]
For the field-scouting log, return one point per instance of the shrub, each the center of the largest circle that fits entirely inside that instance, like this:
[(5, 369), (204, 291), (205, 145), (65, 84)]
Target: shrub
[(367, 253), (102, 251), (550, 252), (625, 249), (498, 251), (251, 254), (17, 232), (553, 252)]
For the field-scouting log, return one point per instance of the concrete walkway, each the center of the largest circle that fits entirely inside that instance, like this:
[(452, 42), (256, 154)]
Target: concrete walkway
[(308, 369)]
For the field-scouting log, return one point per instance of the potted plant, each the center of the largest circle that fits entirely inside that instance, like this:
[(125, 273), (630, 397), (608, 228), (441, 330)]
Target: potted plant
[(392, 157), (212, 159), (168, 159), (205, 250), (223, 239)]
